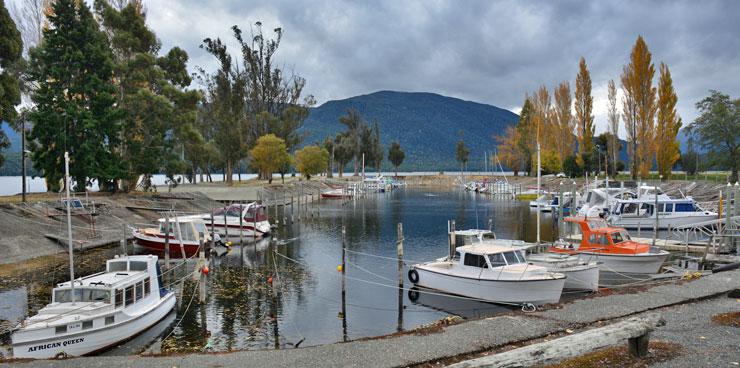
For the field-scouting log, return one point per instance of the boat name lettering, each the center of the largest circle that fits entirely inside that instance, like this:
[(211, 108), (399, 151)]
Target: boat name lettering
[(56, 344)]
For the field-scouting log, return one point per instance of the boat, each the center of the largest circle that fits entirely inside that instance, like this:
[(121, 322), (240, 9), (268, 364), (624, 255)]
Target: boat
[(580, 274), (490, 273), (101, 311), (237, 220), (599, 200), (377, 184), (640, 213), (543, 201), (339, 193), (95, 312), (185, 236), (613, 247)]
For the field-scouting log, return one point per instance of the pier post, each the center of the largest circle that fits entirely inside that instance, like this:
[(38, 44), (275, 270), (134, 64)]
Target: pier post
[(213, 229), (399, 254), (202, 278), (560, 209), (452, 239), (166, 241), (345, 337), (226, 224), (241, 224)]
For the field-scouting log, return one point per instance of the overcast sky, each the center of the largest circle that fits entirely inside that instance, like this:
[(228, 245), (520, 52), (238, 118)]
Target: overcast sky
[(485, 51)]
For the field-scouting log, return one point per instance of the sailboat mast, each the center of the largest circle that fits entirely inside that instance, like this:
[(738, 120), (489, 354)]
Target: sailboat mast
[(539, 185), (67, 183)]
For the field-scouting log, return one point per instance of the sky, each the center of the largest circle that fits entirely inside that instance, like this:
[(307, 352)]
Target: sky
[(486, 51)]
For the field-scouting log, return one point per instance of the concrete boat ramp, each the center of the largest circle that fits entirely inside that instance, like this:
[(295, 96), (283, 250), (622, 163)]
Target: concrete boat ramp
[(675, 300)]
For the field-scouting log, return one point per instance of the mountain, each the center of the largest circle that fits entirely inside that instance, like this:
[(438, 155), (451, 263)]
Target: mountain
[(427, 126)]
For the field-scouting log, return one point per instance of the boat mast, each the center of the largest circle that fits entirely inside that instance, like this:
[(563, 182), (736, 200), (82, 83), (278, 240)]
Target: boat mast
[(67, 183), (539, 183)]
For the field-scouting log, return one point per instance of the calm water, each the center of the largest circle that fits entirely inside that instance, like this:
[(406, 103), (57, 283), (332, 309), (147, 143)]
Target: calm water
[(303, 305)]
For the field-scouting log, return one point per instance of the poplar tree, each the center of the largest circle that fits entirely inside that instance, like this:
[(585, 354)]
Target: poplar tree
[(11, 48), (527, 135), (639, 107), (75, 100), (563, 122), (509, 151), (461, 152), (668, 124), (613, 117), (584, 116)]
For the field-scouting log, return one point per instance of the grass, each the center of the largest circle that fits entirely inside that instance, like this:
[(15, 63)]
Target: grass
[(715, 177), (731, 319), (619, 357)]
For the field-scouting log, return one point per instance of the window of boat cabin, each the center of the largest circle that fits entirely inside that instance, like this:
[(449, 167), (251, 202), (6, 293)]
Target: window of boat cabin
[(456, 257), (129, 295), (234, 210), (82, 295), (629, 208), (200, 228), (119, 297), (598, 239), (665, 207), (497, 260), (511, 258), (86, 325), (187, 231), (647, 208), (260, 212), (138, 266), (117, 266), (139, 290), (60, 329), (109, 320), (617, 238), (147, 286), (475, 260), (685, 207), (520, 255)]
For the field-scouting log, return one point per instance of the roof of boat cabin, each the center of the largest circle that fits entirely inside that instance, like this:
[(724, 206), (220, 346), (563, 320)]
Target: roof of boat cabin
[(184, 219), (484, 248), (472, 232), (112, 279)]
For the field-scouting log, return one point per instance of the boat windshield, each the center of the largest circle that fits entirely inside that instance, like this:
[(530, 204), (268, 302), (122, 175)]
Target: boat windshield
[(82, 295), (620, 237), (200, 227), (512, 258)]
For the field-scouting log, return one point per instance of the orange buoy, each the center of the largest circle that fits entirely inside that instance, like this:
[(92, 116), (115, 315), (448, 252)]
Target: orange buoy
[(269, 280), (204, 270)]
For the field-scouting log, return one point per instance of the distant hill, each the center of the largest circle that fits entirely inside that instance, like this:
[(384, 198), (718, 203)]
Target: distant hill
[(425, 124)]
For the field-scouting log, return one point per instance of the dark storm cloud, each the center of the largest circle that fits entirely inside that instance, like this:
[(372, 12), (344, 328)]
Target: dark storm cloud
[(491, 52)]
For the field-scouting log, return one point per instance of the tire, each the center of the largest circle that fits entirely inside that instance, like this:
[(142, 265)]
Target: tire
[(413, 294), (413, 276)]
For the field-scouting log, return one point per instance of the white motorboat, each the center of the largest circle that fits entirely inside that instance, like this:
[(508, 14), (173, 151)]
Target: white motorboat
[(237, 220), (640, 213), (101, 311), (491, 273), (377, 184), (543, 201), (580, 274)]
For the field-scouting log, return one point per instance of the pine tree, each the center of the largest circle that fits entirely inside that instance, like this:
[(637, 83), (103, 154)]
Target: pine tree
[(75, 100), (527, 135), (584, 117), (11, 48), (461, 152), (396, 155), (667, 125), (639, 107)]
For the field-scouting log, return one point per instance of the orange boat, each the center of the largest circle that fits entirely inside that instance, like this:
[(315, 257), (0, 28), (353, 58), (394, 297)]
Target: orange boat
[(613, 247)]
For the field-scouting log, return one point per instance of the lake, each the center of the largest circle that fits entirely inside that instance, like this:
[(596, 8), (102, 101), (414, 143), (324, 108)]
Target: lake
[(303, 304)]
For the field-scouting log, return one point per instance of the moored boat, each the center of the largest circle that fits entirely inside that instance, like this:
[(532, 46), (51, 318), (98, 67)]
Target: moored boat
[(185, 236), (238, 220), (613, 247), (491, 273)]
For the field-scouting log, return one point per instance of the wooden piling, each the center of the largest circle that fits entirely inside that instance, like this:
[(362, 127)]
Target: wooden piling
[(226, 225), (167, 241), (202, 279), (399, 255), (241, 224), (452, 239), (345, 337), (213, 229), (123, 240)]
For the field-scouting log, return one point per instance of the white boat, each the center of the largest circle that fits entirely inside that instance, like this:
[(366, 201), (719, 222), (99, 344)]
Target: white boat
[(377, 184), (580, 274), (542, 201), (185, 236), (92, 313), (640, 213), (491, 273), (108, 308), (227, 223)]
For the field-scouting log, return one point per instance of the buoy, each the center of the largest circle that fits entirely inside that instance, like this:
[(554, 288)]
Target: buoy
[(269, 280), (339, 268), (204, 270), (228, 243)]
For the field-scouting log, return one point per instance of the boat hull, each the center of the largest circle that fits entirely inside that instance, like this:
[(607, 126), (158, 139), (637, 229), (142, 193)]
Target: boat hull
[(91, 341), (663, 223), (247, 230), (497, 291), (578, 277), (644, 263), (156, 243)]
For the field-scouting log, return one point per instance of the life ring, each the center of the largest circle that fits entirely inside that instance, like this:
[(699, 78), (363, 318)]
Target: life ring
[(413, 276)]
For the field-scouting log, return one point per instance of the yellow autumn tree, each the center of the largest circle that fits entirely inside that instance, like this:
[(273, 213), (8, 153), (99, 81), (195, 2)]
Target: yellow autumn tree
[(269, 155), (639, 107), (509, 152), (584, 116), (563, 123), (311, 160), (667, 125)]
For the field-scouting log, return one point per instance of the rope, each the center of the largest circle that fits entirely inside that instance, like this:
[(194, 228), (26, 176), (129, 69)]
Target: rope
[(183, 314)]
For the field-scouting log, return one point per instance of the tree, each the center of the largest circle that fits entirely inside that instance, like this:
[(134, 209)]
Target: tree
[(158, 111), (75, 104), (527, 135), (613, 145), (571, 168), (344, 151), (461, 152), (563, 123), (311, 160), (668, 124), (690, 159), (637, 83), (269, 155), (11, 48), (355, 126), (718, 129), (396, 155), (550, 162), (509, 151), (584, 117)]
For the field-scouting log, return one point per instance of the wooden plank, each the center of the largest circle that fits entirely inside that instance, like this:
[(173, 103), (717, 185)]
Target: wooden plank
[(635, 329)]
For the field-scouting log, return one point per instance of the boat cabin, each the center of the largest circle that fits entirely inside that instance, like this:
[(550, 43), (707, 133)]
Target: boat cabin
[(599, 237), (637, 208), (473, 236), (252, 212), (191, 229), (488, 256)]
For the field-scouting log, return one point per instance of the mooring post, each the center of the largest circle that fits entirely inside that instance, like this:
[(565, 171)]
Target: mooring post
[(345, 337), (241, 224), (123, 239), (292, 220), (638, 346), (560, 209), (166, 241), (213, 229), (226, 224), (399, 254), (202, 279), (452, 239)]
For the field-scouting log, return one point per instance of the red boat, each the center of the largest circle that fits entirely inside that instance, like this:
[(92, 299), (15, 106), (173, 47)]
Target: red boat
[(614, 247), (338, 193), (185, 235)]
